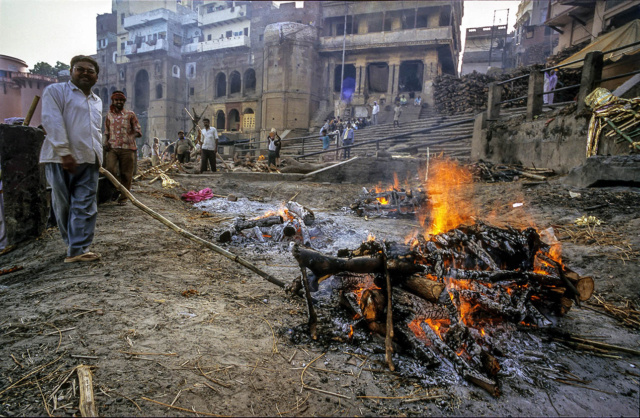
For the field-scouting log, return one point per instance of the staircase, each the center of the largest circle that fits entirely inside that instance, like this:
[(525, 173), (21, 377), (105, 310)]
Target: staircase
[(452, 141)]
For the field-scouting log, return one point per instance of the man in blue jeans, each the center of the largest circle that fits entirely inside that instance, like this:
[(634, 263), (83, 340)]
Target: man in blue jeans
[(72, 155), (347, 141)]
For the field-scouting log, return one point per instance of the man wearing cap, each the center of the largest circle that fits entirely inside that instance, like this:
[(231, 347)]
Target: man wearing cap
[(274, 143), (121, 128), (183, 148)]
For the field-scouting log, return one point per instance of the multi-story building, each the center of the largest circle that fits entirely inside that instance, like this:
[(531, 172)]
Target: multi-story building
[(534, 41), (578, 21), (251, 66), (485, 49)]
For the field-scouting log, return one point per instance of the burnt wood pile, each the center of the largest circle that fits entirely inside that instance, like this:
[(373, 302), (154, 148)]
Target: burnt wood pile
[(446, 296), (395, 202), (292, 222)]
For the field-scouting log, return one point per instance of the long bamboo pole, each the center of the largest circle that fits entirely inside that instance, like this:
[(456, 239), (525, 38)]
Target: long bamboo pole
[(189, 235)]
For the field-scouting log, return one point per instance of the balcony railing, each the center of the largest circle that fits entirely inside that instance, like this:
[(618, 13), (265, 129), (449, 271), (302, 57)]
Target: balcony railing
[(159, 45), (233, 42), (425, 36), (220, 16), (143, 19)]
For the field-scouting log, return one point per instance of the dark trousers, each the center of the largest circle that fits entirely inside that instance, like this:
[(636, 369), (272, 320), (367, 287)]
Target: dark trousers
[(124, 161), (208, 158), (272, 158), (185, 157), (346, 153)]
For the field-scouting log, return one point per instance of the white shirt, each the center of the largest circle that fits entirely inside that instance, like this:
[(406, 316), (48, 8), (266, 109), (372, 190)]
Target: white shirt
[(375, 109), (272, 143), (210, 138), (73, 124)]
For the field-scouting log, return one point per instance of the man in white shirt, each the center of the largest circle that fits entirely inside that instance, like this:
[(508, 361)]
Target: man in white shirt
[(374, 113), (209, 138), (72, 155)]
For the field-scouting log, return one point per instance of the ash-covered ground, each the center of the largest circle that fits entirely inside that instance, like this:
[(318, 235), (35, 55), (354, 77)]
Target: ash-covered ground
[(164, 321)]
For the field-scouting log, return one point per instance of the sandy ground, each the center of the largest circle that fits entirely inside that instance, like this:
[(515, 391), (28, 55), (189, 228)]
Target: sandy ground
[(163, 320)]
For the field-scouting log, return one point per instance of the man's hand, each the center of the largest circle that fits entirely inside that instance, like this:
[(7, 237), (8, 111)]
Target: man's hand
[(69, 163)]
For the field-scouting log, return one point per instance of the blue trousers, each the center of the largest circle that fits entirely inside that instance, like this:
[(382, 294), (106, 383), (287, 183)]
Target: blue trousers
[(73, 198)]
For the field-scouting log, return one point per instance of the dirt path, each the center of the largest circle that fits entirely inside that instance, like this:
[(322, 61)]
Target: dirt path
[(165, 321)]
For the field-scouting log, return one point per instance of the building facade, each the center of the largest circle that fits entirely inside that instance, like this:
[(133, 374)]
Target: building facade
[(253, 66), (534, 41), (19, 89)]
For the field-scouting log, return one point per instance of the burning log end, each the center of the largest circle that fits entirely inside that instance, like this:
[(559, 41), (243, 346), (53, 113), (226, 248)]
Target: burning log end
[(424, 287), (301, 212), (322, 265)]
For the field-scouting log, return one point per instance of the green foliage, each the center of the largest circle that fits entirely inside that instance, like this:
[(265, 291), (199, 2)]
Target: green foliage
[(43, 68)]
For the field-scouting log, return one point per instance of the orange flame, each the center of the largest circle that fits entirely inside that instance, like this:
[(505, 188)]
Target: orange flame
[(371, 237), (447, 181), (382, 200), (350, 331)]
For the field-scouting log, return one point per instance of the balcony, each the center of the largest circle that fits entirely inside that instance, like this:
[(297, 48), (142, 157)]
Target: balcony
[(159, 45), (144, 19), (219, 17), (217, 44), (428, 36)]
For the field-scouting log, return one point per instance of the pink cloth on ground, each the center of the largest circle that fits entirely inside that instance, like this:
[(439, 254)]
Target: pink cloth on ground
[(193, 196)]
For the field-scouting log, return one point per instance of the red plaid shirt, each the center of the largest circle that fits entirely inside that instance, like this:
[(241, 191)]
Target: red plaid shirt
[(121, 129)]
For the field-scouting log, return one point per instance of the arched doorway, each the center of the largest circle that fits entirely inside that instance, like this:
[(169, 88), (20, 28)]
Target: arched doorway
[(221, 85), (349, 84), (234, 119), (249, 81), (220, 120), (141, 92), (235, 83), (248, 121), (141, 103), (410, 76)]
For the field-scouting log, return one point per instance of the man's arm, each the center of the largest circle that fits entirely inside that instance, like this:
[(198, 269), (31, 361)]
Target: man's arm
[(135, 125), (53, 120), (107, 134)]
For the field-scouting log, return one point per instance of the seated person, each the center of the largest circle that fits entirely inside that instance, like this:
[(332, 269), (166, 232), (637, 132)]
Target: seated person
[(417, 101)]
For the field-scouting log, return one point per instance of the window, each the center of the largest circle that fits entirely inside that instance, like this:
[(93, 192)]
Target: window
[(208, 37), (228, 34), (121, 46), (177, 40), (191, 91), (159, 91), (246, 31), (122, 18)]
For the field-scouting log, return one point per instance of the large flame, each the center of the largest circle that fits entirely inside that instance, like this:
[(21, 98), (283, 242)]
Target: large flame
[(446, 209)]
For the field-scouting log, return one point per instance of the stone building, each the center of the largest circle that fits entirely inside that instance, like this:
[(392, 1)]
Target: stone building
[(253, 66), (19, 87)]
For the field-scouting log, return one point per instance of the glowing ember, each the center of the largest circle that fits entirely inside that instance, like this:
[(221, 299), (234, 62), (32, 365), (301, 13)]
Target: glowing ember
[(382, 200), (350, 331)]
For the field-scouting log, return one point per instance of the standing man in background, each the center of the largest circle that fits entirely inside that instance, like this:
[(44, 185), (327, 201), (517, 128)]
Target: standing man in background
[(209, 146), (183, 148), (374, 113), (121, 128), (72, 155)]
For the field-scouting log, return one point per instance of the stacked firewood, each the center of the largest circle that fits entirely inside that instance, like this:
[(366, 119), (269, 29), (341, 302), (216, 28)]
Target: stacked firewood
[(448, 296), (466, 94), (389, 202), (253, 164)]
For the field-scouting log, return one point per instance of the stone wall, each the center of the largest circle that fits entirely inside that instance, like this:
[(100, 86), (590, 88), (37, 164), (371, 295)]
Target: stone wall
[(24, 185), (555, 142)]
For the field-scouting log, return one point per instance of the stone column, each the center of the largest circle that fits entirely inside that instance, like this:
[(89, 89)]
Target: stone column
[(591, 73), (534, 95)]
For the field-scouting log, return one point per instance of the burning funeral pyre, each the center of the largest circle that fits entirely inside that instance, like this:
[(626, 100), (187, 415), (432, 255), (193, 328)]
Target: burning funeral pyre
[(394, 200), (447, 295)]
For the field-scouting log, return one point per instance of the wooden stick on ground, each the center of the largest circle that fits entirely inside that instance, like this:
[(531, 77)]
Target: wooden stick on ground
[(87, 401), (189, 235), (389, 334)]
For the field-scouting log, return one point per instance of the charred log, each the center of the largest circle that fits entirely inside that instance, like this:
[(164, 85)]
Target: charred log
[(241, 224), (301, 212)]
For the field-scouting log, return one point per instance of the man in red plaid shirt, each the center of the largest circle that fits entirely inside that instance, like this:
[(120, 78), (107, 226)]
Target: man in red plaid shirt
[(121, 128)]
